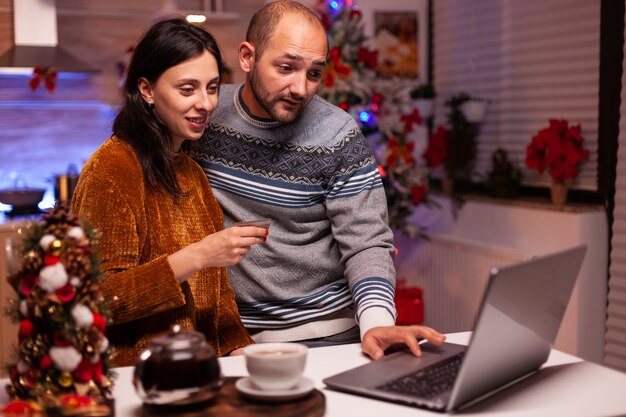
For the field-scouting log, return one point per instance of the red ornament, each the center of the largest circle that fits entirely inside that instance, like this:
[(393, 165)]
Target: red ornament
[(45, 362), (26, 329), (99, 322), (355, 13), (343, 106)]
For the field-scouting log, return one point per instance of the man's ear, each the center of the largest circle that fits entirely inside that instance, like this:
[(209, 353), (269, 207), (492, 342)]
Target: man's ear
[(246, 56)]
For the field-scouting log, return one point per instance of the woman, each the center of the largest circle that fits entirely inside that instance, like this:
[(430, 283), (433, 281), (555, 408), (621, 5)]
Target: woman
[(163, 248)]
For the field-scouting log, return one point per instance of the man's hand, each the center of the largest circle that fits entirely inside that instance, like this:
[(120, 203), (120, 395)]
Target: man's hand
[(378, 339)]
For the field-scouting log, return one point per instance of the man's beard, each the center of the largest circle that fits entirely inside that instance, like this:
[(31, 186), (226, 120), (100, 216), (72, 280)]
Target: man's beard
[(270, 104)]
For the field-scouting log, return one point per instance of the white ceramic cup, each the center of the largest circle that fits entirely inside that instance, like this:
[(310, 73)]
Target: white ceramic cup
[(275, 366)]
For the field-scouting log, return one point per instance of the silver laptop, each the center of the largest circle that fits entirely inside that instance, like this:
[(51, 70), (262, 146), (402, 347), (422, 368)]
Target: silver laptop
[(521, 312)]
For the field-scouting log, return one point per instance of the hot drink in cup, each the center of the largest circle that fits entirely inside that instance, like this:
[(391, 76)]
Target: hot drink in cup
[(275, 366)]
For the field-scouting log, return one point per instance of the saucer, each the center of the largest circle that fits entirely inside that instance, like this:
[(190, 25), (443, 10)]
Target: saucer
[(247, 388)]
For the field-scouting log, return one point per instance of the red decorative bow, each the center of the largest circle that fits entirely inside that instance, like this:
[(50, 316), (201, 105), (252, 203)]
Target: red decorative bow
[(399, 152), (47, 74), (336, 68), (409, 119)]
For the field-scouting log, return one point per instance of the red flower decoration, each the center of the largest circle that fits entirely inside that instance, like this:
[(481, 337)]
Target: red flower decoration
[(99, 322), (87, 371), (21, 408), (26, 284), (75, 400), (409, 119), (336, 68), (368, 57), (59, 340), (66, 293), (558, 149), (26, 329), (49, 260), (418, 194), (437, 150), (397, 151)]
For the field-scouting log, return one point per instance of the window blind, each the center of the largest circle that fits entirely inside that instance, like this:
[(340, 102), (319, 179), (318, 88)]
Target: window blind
[(533, 60)]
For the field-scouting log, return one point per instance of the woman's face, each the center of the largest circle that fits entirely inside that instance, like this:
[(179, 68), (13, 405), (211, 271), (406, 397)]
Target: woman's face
[(184, 97)]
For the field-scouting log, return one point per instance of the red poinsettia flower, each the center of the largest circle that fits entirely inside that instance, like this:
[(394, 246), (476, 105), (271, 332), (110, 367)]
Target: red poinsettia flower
[(410, 119), (368, 57), (558, 149), (399, 152), (66, 293), (437, 150)]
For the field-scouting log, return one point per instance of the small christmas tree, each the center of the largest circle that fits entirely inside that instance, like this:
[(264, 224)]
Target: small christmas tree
[(62, 353), (381, 107)]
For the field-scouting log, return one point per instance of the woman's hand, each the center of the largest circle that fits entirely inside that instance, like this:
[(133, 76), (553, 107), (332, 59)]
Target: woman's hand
[(229, 246), (224, 248)]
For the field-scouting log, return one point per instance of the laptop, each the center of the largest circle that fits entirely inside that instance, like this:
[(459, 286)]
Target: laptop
[(520, 314)]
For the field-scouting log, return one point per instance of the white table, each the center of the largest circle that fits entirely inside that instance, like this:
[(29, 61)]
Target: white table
[(567, 386)]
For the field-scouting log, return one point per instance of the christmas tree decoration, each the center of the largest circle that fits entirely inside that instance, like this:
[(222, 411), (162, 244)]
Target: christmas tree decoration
[(62, 352), (382, 108)]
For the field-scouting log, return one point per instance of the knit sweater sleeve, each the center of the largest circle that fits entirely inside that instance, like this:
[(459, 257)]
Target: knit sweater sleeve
[(357, 207), (111, 200)]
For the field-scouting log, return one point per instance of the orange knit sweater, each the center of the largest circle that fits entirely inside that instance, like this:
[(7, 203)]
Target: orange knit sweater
[(140, 228)]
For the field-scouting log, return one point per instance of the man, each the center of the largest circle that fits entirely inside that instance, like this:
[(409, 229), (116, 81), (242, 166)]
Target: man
[(274, 149)]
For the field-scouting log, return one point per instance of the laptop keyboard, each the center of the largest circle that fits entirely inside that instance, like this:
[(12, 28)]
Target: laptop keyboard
[(428, 382)]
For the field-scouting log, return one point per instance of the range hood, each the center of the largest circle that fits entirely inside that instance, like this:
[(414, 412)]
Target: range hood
[(36, 43)]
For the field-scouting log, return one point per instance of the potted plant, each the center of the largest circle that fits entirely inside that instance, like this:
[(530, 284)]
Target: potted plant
[(423, 96), (558, 149)]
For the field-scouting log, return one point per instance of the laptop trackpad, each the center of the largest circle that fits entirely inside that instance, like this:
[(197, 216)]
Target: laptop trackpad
[(396, 364)]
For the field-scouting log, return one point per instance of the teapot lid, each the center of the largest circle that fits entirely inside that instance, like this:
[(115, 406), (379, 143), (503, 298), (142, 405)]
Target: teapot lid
[(177, 340)]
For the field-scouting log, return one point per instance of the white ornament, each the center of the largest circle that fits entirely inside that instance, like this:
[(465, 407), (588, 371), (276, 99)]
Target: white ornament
[(22, 366), (76, 233), (82, 316), (65, 358), (24, 308), (46, 240), (104, 344), (53, 277), (76, 282)]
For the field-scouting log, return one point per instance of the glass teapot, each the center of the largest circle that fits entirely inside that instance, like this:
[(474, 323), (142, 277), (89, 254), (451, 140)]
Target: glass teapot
[(178, 368)]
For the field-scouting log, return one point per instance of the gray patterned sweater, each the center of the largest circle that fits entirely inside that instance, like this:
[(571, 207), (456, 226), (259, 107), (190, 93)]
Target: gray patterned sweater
[(328, 259)]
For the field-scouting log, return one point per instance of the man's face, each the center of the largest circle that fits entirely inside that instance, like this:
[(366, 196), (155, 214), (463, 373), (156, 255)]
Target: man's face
[(289, 72)]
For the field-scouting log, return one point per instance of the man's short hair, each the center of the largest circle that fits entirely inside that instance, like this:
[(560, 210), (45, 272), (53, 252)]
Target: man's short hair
[(265, 21)]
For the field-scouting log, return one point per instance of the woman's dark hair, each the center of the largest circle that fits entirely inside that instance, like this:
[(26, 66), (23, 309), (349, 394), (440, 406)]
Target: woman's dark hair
[(164, 45)]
